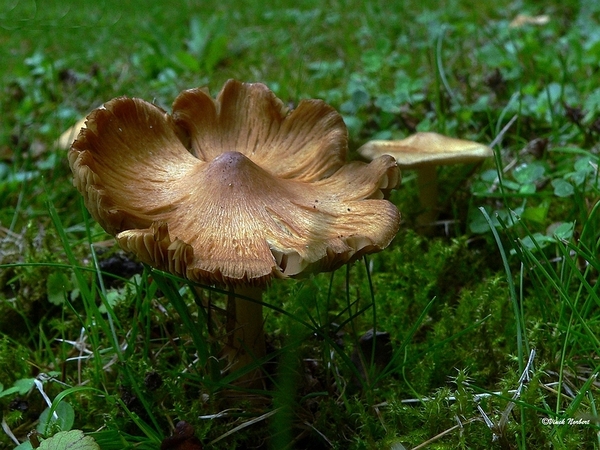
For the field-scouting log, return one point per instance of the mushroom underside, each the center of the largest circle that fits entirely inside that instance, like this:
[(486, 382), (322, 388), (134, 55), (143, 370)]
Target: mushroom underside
[(257, 226)]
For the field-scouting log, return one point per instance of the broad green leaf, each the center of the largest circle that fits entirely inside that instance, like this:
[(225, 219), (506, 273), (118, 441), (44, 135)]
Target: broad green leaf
[(360, 98), (388, 103), (528, 188), (503, 217), (511, 185), (537, 213), (477, 222), (586, 164), (564, 231), (490, 175), (562, 188), (64, 422), (215, 52), (541, 240), (24, 385), (69, 440), (9, 391), (21, 387), (188, 60), (529, 173), (57, 287), (112, 298), (4, 171)]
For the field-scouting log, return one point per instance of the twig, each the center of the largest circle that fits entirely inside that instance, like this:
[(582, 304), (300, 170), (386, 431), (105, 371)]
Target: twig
[(524, 378), (244, 425), (503, 131), (40, 387), (444, 433), (224, 413), (451, 398), (8, 431), (319, 433), (496, 141)]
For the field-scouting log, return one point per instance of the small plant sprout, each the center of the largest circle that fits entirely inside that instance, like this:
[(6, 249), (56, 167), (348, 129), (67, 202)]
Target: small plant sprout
[(423, 152), (233, 192)]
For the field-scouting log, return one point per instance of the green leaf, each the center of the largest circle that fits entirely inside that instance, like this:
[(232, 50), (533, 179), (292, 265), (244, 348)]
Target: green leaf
[(529, 173), (69, 440), (360, 98), (24, 385), (9, 391), (199, 35), (562, 188), (58, 285), (584, 169), (564, 231), (21, 387), (4, 171), (528, 188), (388, 103), (511, 185), (187, 60), (541, 240), (216, 51), (479, 223), (113, 297), (537, 213), (490, 175), (64, 421), (586, 164)]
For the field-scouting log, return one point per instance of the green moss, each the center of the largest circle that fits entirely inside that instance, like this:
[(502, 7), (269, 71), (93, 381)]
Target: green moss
[(14, 363)]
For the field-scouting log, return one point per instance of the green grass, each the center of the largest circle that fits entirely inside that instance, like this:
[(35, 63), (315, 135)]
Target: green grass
[(493, 321)]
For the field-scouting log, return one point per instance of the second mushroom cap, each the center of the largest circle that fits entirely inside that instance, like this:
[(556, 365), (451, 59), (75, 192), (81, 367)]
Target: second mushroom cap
[(427, 148), (423, 152)]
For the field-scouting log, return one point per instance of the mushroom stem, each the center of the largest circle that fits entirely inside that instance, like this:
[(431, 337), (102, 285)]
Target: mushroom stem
[(428, 194), (245, 330)]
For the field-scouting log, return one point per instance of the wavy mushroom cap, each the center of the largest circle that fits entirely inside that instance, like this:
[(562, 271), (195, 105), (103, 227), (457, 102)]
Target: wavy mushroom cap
[(233, 190), (427, 148)]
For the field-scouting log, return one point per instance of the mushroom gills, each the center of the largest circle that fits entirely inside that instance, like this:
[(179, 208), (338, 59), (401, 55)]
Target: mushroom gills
[(290, 263)]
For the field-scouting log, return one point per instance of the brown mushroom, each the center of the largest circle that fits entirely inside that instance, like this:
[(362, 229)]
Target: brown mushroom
[(423, 152), (233, 192)]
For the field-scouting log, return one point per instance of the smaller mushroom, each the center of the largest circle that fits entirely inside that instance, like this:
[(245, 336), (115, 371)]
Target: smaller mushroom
[(525, 19), (423, 152)]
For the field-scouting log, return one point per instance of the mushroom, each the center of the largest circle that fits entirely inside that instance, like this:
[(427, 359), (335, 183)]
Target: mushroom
[(423, 152), (233, 192)]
